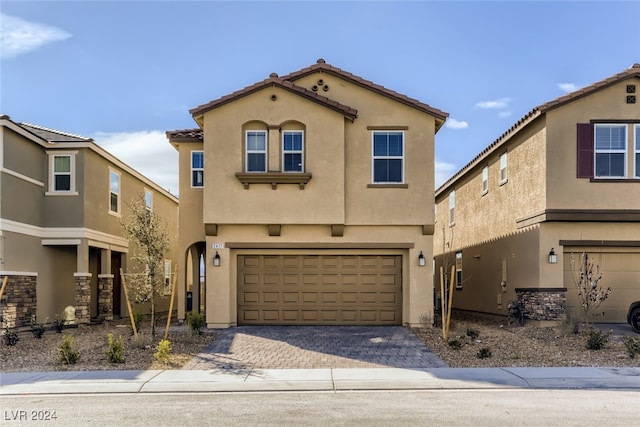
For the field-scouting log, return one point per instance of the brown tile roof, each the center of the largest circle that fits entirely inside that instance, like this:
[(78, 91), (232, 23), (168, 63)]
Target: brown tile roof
[(633, 71), (321, 65), (185, 135), (348, 112)]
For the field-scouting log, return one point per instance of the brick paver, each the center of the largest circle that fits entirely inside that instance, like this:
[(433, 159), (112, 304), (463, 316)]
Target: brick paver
[(244, 348)]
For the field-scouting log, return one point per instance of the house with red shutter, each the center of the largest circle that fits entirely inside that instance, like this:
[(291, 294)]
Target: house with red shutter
[(562, 181)]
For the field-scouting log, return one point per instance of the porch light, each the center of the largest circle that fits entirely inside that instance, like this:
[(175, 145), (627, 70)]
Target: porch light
[(216, 260), (553, 258), (422, 261)]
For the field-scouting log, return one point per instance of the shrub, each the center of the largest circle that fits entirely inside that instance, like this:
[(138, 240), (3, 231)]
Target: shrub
[(137, 319), (632, 345), (163, 350), (484, 353), (58, 323), (115, 349), (472, 333), (455, 344), (596, 339), (68, 355), (196, 322), (10, 335), (37, 329)]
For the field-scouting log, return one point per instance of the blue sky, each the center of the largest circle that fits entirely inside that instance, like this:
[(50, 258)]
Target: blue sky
[(124, 72)]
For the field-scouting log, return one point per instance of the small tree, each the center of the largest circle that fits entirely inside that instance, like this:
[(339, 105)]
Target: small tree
[(587, 280), (149, 232)]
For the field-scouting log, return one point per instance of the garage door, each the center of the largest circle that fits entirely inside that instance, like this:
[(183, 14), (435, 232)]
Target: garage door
[(319, 290)]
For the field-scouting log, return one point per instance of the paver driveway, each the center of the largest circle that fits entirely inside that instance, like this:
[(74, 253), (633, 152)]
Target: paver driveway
[(307, 347)]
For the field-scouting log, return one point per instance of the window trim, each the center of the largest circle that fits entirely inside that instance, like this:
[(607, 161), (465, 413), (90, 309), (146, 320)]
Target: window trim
[(485, 180), (374, 157), (597, 151), (284, 152), (52, 174), (247, 151), (117, 212), (194, 169), (504, 177)]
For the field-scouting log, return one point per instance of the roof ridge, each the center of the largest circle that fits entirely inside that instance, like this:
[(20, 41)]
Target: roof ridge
[(59, 132)]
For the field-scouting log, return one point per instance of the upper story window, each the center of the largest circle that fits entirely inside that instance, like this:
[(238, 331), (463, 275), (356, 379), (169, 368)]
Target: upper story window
[(197, 168), (459, 270), (114, 192), (256, 151), (637, 138), (610, 150), (292, 151), (62, 178), (452, 208), (388, 157), (148, 200), (503, 168), (485, 179)]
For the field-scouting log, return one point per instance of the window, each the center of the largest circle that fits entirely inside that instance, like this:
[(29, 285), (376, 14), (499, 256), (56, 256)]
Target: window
[(148, 200), (114, 192), (503, 168), (256, 151), (637, 137), (452, 207), (388, 157), (485, 179), (610, 150), (292, 151), (197, 169), (459, 270), (62, 173)]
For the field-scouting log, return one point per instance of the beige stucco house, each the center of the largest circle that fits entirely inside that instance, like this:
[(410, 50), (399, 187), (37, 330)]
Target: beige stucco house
[(63, 199), (307, 199), (563, 180)]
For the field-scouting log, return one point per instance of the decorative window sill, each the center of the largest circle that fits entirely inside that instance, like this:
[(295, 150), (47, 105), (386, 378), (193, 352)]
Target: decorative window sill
[(387, 185), (273, 178), (61, 193)]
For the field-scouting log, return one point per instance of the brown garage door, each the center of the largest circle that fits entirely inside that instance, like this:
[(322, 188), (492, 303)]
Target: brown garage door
[(319, 290)]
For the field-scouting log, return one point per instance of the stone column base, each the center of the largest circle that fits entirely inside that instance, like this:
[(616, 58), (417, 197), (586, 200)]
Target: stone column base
[(543, 304), (105, 296), (19, 301), (83, 297)]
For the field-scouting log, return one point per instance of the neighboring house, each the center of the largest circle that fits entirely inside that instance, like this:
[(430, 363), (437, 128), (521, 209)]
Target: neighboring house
[(61, 240), (565, 179), (307, 200)]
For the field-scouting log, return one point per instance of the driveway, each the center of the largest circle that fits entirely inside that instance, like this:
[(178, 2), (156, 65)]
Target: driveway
[(245, 348)]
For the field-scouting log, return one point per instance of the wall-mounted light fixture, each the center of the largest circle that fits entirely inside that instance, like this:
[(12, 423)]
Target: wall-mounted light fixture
[(422, 261), (216, 260), (553, 258)]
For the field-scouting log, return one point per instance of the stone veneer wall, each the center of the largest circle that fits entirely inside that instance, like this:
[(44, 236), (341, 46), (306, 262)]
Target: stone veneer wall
[(105, 296), (543, 303), (83, 297), (19, 301)]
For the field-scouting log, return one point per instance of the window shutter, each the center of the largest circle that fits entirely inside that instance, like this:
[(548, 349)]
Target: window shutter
[(585, 150)]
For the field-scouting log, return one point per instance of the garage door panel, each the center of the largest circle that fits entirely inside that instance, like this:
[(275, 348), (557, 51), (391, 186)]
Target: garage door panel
[(348, 290)]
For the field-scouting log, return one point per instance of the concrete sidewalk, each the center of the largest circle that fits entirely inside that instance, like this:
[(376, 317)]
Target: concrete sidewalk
[(332, 380)]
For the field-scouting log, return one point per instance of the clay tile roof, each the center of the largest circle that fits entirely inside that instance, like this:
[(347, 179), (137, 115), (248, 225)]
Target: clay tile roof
[(287, 85), (185, 135), (323, 66)]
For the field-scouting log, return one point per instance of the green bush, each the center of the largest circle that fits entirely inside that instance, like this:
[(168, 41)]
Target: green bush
[(137, 320), (163, 351), (37, 329), (472, 333), (115, 349), (68, 355), (484, 353), (632, 345), (596, 339), (455, 344), (196, 321), (10, 336), (58, 323)]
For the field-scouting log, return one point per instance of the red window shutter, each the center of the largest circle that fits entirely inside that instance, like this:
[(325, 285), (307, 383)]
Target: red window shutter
[(585, 150)]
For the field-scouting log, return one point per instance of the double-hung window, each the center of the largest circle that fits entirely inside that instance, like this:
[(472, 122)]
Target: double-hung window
[(485, 179), (292, 151), (148, 200), (452, 208), (114, 192), (610, 150), (637, 143), (388, 157), (503, 168), (459, 270), (256, 151), (62, 173), (197, 168)]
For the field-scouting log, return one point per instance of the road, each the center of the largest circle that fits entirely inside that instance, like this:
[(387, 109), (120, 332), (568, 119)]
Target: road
[(389, 408)]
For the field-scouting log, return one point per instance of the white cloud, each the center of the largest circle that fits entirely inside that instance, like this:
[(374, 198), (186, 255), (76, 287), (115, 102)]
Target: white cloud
[(568, 87), (149, 152), (497, 104), (444, 171), (18, 36), (456, 124)]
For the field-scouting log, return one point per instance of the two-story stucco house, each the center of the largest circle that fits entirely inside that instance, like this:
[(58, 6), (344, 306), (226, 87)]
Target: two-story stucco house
[(563, 180), (63, 200), (308, 199)]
